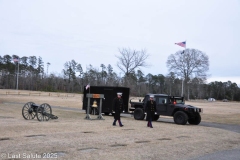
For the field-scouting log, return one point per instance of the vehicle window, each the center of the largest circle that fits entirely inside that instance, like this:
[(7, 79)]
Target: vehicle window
[(146, 98), (179, 101), (145, 101), (160, 100)]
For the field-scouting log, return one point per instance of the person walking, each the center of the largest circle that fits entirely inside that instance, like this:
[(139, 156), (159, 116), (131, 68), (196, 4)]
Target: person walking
[(117, 109), (151, 109)]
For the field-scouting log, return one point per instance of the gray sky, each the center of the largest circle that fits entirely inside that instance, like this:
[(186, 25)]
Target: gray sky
[(92, 31)]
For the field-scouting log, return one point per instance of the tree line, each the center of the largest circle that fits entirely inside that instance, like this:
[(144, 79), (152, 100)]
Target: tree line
[(32, 76)]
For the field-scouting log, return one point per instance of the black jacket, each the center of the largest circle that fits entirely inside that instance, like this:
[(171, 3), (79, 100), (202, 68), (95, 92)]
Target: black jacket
[(117, 107), (151, 109)]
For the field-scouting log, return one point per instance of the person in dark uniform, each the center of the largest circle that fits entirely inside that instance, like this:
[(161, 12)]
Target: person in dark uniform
[(151, 109), (117, 109)]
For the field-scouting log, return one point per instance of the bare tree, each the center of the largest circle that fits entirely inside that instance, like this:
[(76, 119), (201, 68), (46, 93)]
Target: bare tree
[(40, 67), (80, 70), (187, 64), (190, 63), (103, 71), (69, 72), (129, 60), (48, 64)]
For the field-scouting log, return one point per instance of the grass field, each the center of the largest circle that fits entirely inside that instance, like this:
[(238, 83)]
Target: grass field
[(73, 137)]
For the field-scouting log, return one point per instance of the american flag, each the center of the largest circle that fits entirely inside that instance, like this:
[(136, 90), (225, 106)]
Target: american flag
[(182, 44), (15, 59), (88, 86)]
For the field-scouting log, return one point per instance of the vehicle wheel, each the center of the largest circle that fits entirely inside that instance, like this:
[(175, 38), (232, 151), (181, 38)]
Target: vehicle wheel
[(195, 120), (156, 117), (138, 114), (28, 111), (44, 111), (180, 117)]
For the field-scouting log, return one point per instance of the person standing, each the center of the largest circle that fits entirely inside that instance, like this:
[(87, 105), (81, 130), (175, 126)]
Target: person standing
[(117, 109), (151, 109)]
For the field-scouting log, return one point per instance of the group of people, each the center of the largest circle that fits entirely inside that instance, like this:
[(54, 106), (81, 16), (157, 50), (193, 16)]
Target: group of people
[(118, 108)]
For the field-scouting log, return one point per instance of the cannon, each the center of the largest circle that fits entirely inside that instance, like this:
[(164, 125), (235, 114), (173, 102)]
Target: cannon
[(43, 112)]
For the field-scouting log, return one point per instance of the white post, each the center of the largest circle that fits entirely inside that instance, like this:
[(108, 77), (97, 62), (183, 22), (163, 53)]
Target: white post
[(183, 78), (17, 74), (182, 88)]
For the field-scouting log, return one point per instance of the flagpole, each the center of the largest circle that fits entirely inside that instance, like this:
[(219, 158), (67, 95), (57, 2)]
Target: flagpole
[(183, 75), (182, 44), (17, 75), (182, 88)]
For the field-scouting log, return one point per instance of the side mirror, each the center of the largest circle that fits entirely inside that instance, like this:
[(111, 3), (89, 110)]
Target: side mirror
[(163, 101), (139, 100)]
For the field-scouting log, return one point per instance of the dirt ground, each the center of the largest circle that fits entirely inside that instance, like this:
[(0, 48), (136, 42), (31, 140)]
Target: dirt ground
[(73, 137)]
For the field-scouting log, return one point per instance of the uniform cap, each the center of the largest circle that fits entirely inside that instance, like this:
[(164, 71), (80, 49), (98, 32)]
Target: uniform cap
[(119, 94), (151, 96)]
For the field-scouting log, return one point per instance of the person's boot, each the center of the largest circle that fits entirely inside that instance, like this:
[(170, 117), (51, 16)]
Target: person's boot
[(151, 125), (120, 123), (148, 124), (114, 123)]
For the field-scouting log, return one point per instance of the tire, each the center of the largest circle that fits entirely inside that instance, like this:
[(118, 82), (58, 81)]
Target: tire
[(156, 117), (195, 120), (44, 112), (139, 114), (180, 117), (28, 111)]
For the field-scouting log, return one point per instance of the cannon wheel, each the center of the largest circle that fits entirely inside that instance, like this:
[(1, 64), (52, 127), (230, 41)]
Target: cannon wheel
[(43, 112), (28, 112)]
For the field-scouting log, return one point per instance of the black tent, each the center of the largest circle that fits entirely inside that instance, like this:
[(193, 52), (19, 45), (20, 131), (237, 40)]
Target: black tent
[(109, 94)]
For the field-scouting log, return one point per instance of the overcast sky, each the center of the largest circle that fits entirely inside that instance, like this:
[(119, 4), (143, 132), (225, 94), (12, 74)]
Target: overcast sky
[(92, 31)]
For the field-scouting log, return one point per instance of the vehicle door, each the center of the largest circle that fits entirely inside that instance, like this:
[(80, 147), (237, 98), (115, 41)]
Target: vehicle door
[(146, 98), (161, 104)]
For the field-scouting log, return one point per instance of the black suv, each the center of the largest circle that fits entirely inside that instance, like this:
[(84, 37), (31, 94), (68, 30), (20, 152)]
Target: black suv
[(168, 106)]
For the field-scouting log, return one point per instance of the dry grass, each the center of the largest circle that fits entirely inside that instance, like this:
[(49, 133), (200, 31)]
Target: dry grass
[(219, 112), (55, 99), (73, 137)]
